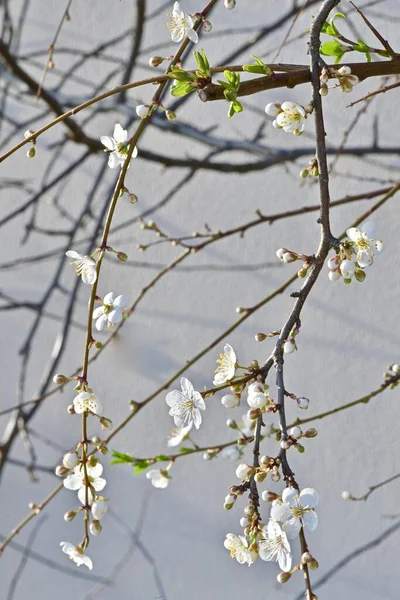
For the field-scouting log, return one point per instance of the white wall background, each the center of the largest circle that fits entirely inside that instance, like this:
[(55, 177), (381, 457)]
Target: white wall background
[(349, 336)]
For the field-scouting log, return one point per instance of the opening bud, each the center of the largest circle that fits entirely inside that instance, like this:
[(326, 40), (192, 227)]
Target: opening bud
[(95, 527), (260, 337), (310, 433), (156, 61), (283, 577), (122, 256), (70, 516), (59, 379)]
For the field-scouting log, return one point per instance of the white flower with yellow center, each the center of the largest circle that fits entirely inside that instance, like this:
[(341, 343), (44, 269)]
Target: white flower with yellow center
[(291, 118), (238, 546), (77, 481), (110, 312), (84, 266), (87, 401), (158, 477), (118, 147), (227, 365), (76, 554), (177, 435), (296, 510), (274, 545), (365, 244), (186, 405), (346, 79), (181, 25)]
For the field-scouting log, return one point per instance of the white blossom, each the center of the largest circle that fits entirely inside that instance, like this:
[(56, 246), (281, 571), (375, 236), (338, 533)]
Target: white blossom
[(231, 453), (274, 545), (177, 435), (84, 266), (296, 510), (346, 79), (118, 146), (87, 401), (181, 25), (186, 405), (110, 312), (76, 554), (365, 244), (158, 478), (291, 118), (239, 549), (230, 400), (227, 366), (76, 481), (99, 508)]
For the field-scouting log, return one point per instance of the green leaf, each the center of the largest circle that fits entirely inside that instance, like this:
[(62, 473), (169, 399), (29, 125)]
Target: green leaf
[(230, 95), (184, 450), (162, 458), (237, 107), (140, 467), (121, 457), (331, 49), (260, 67), (182, 88), (181, 75)]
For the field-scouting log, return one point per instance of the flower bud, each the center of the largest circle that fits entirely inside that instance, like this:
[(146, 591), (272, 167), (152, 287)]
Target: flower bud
[(304, 173), (255, 388), (171, 116), (230, 500), (257, 400), (289, 346), (95, 528), (360, 275), (306, 557), (70, 459), (285, 444), (122, 256), (142, 111), (28, 134), (260, 337), (71, 409), (280, 253), (311, 433), (289, 257), (156, 61), (254, 413), (334, 275), (99, 508), (60, 379), (324, 77), (260, 476), (283, 577), (133, 198), (231, 423), (302, 272), (244, 471), (334, 262), (313, 564), (303, 403), (295, 432), (229, 4), (103, 449), (300, 448), (323, 90), (345, 71), (31, 152), (396, 369), (273, 109), (268, 496), (230, 400), (105, 423), (70, 516), (61, 471), (207, 26), (346, 495)]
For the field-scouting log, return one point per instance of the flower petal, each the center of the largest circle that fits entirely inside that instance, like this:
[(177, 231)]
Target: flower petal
[(115, 316), (121, 301), (113, 160), (187, 387), (369, 229), (73, 482), (120, 135), (353, 233), (73, 254), (310, 520), (280, 512), (108, 142), (309, 497), (101, 322), (289, 495), (98, 312), (109, 299), (192, 35)]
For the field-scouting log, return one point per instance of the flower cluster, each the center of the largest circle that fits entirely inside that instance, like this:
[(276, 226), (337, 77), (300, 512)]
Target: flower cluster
[(355, 254), (181, 25), (270, 542), (344, 76), (110, 312), (288, 116)]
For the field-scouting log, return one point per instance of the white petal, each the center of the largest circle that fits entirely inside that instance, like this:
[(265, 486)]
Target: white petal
[(230, 353), (369, 229), (73, 482), (353, 233), (197, 418), (289, 495), (121, 301), (177, 35), (187, 387), (108, 299), (135, 152), (174, 399), (113, 160), (192, 35), (280, 512), (309, 497), (115, 316), (292, 528), (89, 275), (98, 312), (101, 322), (95, 471), (177, 11), (273, 529), (73, 254), (120, 135), (98, 483), (108, 142), (285, 560), (310, 520), (81, 495)]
